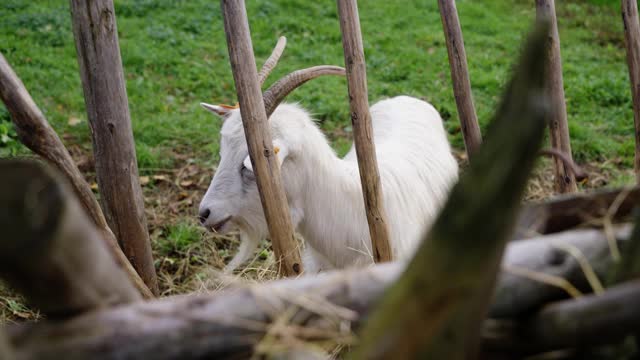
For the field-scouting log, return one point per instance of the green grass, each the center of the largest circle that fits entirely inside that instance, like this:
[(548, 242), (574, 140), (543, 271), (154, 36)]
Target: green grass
[(175, 55)]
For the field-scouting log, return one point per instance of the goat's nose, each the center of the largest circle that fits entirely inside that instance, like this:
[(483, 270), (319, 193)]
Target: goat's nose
[(204, 215)]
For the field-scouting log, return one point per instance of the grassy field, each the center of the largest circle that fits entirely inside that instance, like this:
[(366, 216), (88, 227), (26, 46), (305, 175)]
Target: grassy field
[(175, 56)]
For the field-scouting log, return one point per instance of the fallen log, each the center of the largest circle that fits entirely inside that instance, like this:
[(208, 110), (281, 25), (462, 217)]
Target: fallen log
[(563, 212), (321, 309), (35, 132), (629, 267), (516, 295), (5, 350), (581, 323), (50, 250)]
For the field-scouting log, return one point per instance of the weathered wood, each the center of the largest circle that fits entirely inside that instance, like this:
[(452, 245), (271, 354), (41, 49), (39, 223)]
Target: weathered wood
[(229, 324), (628, 267), (5, 350), (516, 295), (35, 132), (460, 76), (105, 94), (570, 210), (558, 126), (362, 129), (422, 316), (581, 323), (50, 250), (256, 129), (632, 42)]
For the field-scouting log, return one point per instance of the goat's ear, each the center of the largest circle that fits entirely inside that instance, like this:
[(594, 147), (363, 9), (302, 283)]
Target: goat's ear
[(247, 163), (220, 110), (279, 149)]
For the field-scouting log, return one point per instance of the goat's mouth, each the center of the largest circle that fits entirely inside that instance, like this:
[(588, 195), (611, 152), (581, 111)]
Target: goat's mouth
[(220, 224)]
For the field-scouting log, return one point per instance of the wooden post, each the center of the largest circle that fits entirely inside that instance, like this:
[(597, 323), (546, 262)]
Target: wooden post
[(362, 129), (35, 132), (558, 126), (632, 41), (460, 76), (51, 252), (256, 129), (96, 37), (435, 309)]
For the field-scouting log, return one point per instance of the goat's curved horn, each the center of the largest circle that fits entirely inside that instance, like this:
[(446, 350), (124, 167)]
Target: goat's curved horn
[(272, 61), (278, 91)]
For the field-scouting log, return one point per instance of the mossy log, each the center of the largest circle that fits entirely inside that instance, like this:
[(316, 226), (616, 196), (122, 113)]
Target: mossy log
[(49, 249), (581, 323), (564, 212)]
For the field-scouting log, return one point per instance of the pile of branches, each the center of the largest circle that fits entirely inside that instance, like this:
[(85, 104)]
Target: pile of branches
[(493, 277)]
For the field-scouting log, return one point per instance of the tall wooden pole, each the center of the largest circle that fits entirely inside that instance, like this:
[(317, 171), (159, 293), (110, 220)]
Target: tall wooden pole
[(632, 41), (105, 94), (460, 76), (362, 129), (558, 127), (256, 129)]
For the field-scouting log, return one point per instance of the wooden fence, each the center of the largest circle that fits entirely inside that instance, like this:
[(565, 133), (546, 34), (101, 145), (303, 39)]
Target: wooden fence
[(78, 285)]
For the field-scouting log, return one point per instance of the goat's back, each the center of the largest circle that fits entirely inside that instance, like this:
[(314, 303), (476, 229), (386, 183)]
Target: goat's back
[(416, 167)]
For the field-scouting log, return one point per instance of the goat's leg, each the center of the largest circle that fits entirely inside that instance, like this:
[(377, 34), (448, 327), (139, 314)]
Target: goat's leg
[(248, 245), (314, 262)]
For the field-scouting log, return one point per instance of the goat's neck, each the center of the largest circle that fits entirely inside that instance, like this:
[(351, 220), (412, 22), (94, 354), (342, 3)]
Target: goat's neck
[(331, 199)]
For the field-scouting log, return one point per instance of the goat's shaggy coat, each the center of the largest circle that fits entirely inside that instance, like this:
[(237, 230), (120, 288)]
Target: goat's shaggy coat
[(324, 193)]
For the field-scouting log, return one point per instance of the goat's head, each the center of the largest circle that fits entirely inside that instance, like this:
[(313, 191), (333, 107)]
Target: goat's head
[(232, 199)]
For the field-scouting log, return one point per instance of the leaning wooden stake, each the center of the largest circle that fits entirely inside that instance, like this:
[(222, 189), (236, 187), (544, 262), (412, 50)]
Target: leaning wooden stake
[(35, 132), (460, 76), (435, 310), (51, 252), (96, 37), (632, 41), (558, 126), (362, 129), (256, 129)]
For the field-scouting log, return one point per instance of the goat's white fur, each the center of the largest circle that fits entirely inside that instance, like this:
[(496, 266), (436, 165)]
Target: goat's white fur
[(324, 192)]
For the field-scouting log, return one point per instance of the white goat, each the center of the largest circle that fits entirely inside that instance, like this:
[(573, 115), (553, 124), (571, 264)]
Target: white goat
[(323, 191)]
